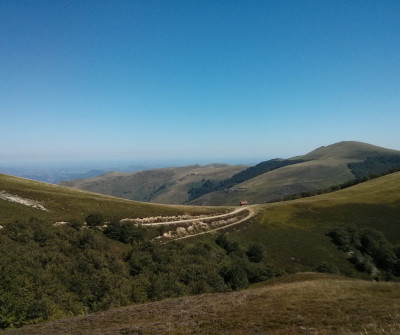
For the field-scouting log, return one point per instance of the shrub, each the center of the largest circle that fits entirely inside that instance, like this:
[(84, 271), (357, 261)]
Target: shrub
[(235, 276), (94, 219), (326, 267), (255, 253), (371, 251)]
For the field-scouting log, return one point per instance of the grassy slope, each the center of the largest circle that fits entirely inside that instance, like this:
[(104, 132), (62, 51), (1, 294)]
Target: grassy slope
[(305, 303), (327, 167), (294, 232), (277, 184), (66, 203), (144, 185)]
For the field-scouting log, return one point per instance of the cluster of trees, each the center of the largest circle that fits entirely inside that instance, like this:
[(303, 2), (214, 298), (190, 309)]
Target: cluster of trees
[(127, 232), (48, 272), (370, 251), (209, 186), (375, 166)]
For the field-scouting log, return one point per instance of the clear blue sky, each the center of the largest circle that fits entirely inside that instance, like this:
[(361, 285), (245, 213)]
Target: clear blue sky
[(196, 79)]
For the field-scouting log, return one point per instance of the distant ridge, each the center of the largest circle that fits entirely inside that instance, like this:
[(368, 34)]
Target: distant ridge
[(168, 185), (221, 184), (322, 168), (348, 150)]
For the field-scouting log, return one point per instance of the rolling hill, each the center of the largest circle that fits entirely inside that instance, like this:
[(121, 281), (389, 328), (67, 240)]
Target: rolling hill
[(322, 168), (168, 185), (225, 185), (294, 233), (63, 203)]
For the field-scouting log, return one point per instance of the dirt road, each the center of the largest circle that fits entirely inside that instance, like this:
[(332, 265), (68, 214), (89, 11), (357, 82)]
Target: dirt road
[(251, 210), (219, 216)]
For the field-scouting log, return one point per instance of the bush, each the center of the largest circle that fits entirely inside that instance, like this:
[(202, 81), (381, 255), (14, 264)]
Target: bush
[(235, 276), (231, 247), (75, 224), (378, 247), (126, 233), (255, 253), (257, 272), (347, 238), (326, 267), (94, 219)]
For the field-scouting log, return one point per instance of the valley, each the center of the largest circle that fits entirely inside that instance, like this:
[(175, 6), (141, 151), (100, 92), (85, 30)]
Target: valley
[(296, 257), (168, 185)]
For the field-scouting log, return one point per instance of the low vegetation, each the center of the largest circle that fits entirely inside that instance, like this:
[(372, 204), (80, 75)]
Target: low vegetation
[(369, 250), (48, 272)]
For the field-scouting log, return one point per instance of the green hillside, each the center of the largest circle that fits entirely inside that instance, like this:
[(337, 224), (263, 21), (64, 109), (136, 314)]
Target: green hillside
[(209, 186), (294, 233), (306, 303), (51, 272), (63, 203), (167, 186), (324, 167)]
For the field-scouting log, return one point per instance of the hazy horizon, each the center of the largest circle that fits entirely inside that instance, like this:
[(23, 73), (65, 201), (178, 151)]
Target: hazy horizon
[(196, 81), (54, 171)]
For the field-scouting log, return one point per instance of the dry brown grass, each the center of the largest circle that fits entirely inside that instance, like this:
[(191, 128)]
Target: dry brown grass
[(306, 303)]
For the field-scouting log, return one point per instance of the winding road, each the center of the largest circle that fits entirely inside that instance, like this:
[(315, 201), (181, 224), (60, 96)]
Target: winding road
[(219, 216), (250, 215)]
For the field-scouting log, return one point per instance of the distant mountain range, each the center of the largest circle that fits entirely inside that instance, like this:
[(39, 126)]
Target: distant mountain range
[(222, 184)]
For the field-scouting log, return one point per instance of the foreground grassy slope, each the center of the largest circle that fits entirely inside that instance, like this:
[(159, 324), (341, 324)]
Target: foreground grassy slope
[(294, 232), (305, 303), (326, 166), (167, 186), (65, 203)]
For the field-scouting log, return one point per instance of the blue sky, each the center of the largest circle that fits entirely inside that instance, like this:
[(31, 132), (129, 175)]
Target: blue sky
[(196, 80)]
